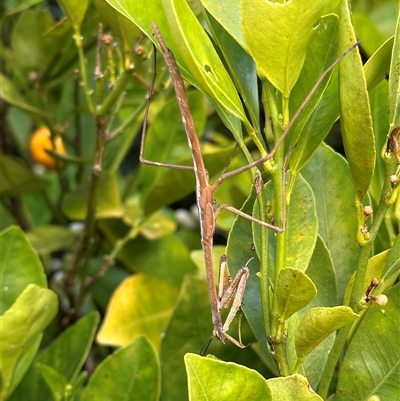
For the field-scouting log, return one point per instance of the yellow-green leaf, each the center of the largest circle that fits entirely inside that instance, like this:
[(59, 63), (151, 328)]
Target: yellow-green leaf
[(317, 324), (142, 304), (277, 37), (355, 114)]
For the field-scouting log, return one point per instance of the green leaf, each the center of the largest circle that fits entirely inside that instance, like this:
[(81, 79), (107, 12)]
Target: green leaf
[(294, 387), (372, 362), (50, 238), (228, 14), (9, 93), (294, 290), (56, 382), (317, 324), (394, 80), (355, 114), (378, 64), (329, 177), (321, 272), (17, 179), (74, 345), (130, 373), (241, 67), (21, 328), (277, 36), (214, 380), (188, 330), (13, 7), (301, 226), (324, 42), (142, 304), (158, 225), (195, 48), (108, 200), (19, 266), (75, 10), (368, 32), (195, 55), (37, 42), (317, 127)]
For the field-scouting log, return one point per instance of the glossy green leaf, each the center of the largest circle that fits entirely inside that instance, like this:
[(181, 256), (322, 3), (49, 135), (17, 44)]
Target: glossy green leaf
[(74, 344), (17, 178), (394, 80), (50, 238), (19, 266), (372, 362), (228, 14), (317, 127), (355, 114), (294, 290), (130, 373), (142, 304), (188, 330), (378, 64), (75, 10), (195, 48), (321, 272), (294, 387), (301, 226), (56, 382), (108, 200), (21, 328), (199, 62), (241, 67), (277, 36), (214, 380), (317, 324), (329, 176), (321, 53), (9, 93)]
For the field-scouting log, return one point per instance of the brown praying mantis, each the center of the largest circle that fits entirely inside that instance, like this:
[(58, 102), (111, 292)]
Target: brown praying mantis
[(208, 210)]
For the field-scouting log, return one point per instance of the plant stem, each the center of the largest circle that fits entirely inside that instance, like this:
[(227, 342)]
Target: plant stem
[(82, 68), (113, 96), (264, 260)]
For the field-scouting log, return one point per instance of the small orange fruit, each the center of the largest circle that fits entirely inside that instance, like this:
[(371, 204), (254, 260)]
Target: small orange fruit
[(40, 141)]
